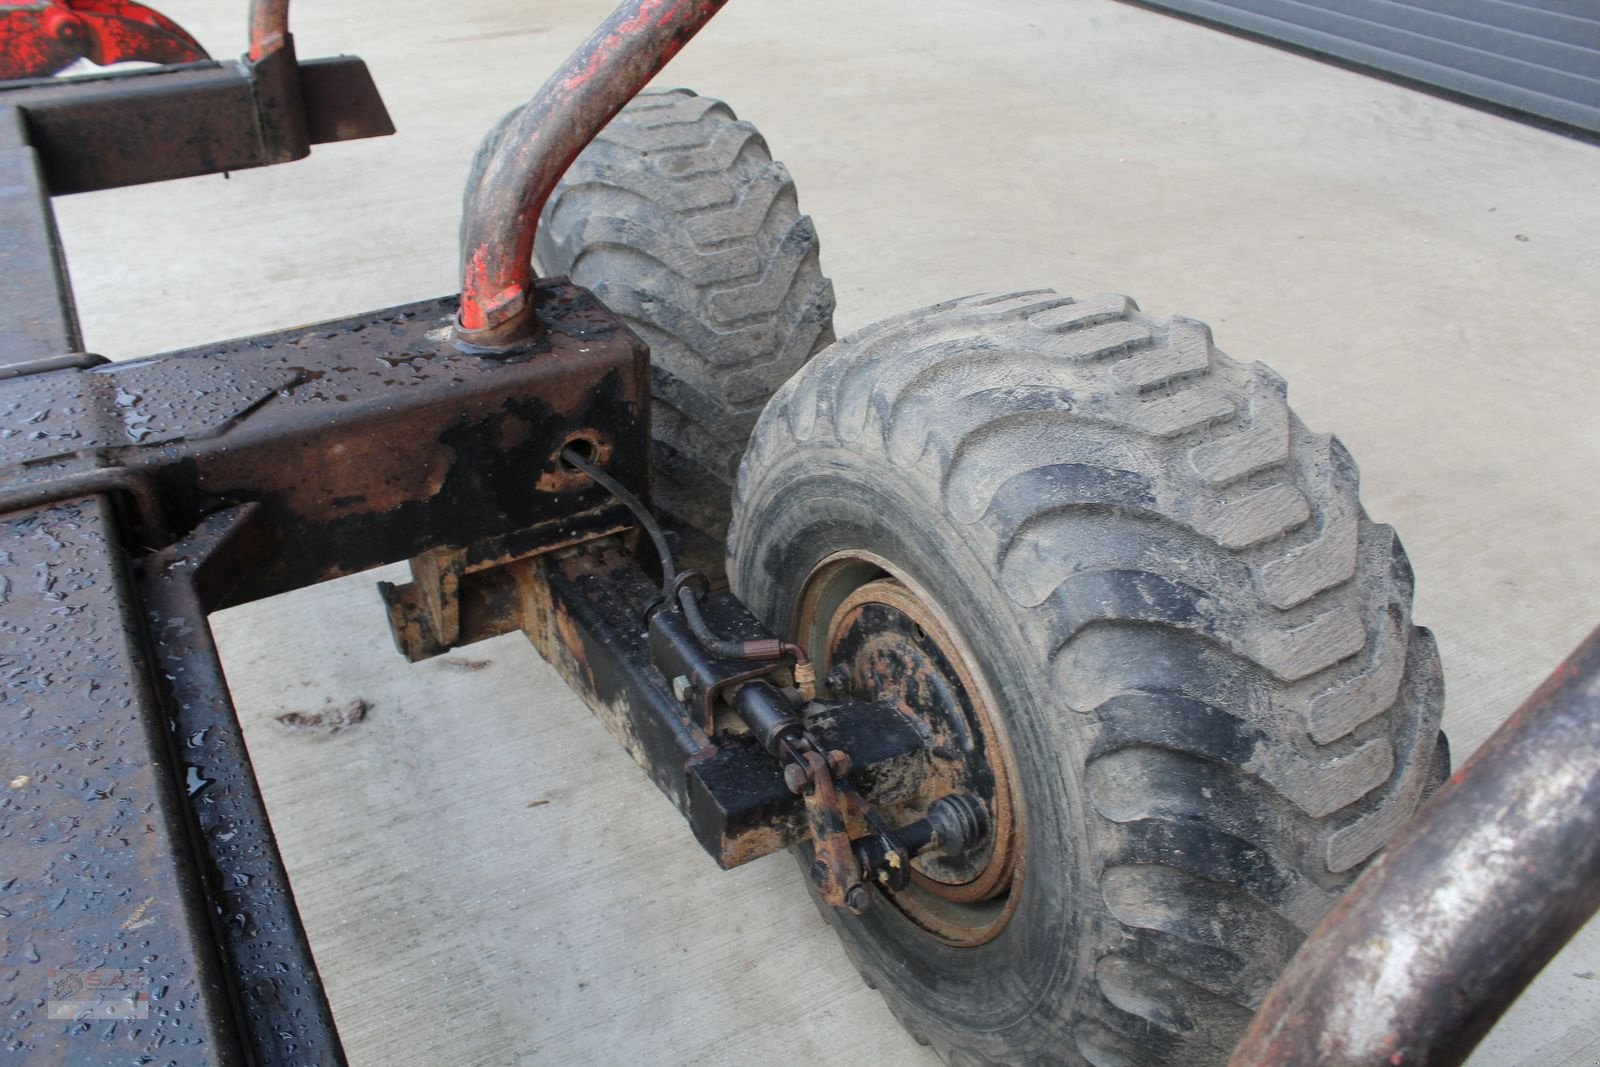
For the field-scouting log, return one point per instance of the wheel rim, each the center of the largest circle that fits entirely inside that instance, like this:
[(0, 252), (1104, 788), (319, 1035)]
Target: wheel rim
[(877, 635)]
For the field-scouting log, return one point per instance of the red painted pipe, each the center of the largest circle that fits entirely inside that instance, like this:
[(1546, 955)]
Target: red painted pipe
[(269, 27), (528, 155)]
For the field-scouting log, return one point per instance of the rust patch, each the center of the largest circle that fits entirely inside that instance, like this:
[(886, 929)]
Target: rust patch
[(551, 631), (752, 844)]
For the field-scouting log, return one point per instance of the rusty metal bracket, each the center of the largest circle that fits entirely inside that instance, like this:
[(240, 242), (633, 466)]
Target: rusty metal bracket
[(834, 869), (437, 581), (131, 127), (711, 678)]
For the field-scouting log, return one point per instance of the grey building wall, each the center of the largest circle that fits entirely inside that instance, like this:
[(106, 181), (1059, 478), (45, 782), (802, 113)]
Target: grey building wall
[(1538, 58)]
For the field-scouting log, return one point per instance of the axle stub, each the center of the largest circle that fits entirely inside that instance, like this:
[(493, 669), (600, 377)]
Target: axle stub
[(954, 824)]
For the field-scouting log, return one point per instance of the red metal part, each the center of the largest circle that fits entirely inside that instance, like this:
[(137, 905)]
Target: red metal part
[(269, 27), (40, 37), (525, 157)]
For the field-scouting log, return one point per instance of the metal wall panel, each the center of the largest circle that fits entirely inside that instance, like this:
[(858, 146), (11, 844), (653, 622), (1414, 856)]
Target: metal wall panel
[(1535, 58)]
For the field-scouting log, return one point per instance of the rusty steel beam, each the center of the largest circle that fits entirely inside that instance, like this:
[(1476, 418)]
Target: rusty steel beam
[(364, 440), (280, 1008), (525, 157), (36, 303), (133, 127), (582, 609), (1436, 939), (136, 498)]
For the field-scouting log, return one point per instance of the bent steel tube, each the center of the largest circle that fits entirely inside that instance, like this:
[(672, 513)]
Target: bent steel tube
[(269, 27), (527, 156), (1438, 937)]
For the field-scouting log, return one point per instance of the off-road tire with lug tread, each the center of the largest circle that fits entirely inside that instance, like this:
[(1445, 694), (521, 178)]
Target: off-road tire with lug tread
[(679, 220), (1201, 648)]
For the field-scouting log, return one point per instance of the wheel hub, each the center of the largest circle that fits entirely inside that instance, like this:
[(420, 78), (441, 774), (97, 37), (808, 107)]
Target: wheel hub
[(878, 638)]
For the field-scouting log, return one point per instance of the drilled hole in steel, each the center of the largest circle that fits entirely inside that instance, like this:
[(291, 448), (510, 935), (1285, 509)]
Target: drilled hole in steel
[(562, 477), (586, 448)]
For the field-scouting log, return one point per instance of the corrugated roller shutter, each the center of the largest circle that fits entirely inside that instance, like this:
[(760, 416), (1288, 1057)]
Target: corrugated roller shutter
[(1539, 57)]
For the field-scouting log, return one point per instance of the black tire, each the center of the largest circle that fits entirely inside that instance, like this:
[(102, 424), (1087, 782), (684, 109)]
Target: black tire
[(1216, 702), (679, 220)]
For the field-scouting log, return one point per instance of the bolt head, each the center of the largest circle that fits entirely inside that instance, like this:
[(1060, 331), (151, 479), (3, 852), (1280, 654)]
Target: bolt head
[(682, 688), (838, 763), (794, 776), (858, 900), (819, 873), (838, 680)]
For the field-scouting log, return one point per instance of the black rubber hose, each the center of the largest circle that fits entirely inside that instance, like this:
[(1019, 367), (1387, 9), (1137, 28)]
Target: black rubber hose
[(805, 676), (766, 648), (668, 570), (715, 645)]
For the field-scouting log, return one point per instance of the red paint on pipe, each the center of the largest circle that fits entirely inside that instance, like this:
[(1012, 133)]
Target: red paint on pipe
[(269, 27), (505, 197)]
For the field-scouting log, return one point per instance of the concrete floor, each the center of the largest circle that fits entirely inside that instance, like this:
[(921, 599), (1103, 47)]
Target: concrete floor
[(485, 877)]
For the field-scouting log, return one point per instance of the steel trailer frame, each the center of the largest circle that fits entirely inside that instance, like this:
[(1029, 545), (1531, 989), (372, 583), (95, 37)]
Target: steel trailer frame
[(136, 498)]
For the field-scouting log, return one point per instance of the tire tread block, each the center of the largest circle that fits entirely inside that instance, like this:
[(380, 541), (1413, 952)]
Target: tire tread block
[(681, 222)]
